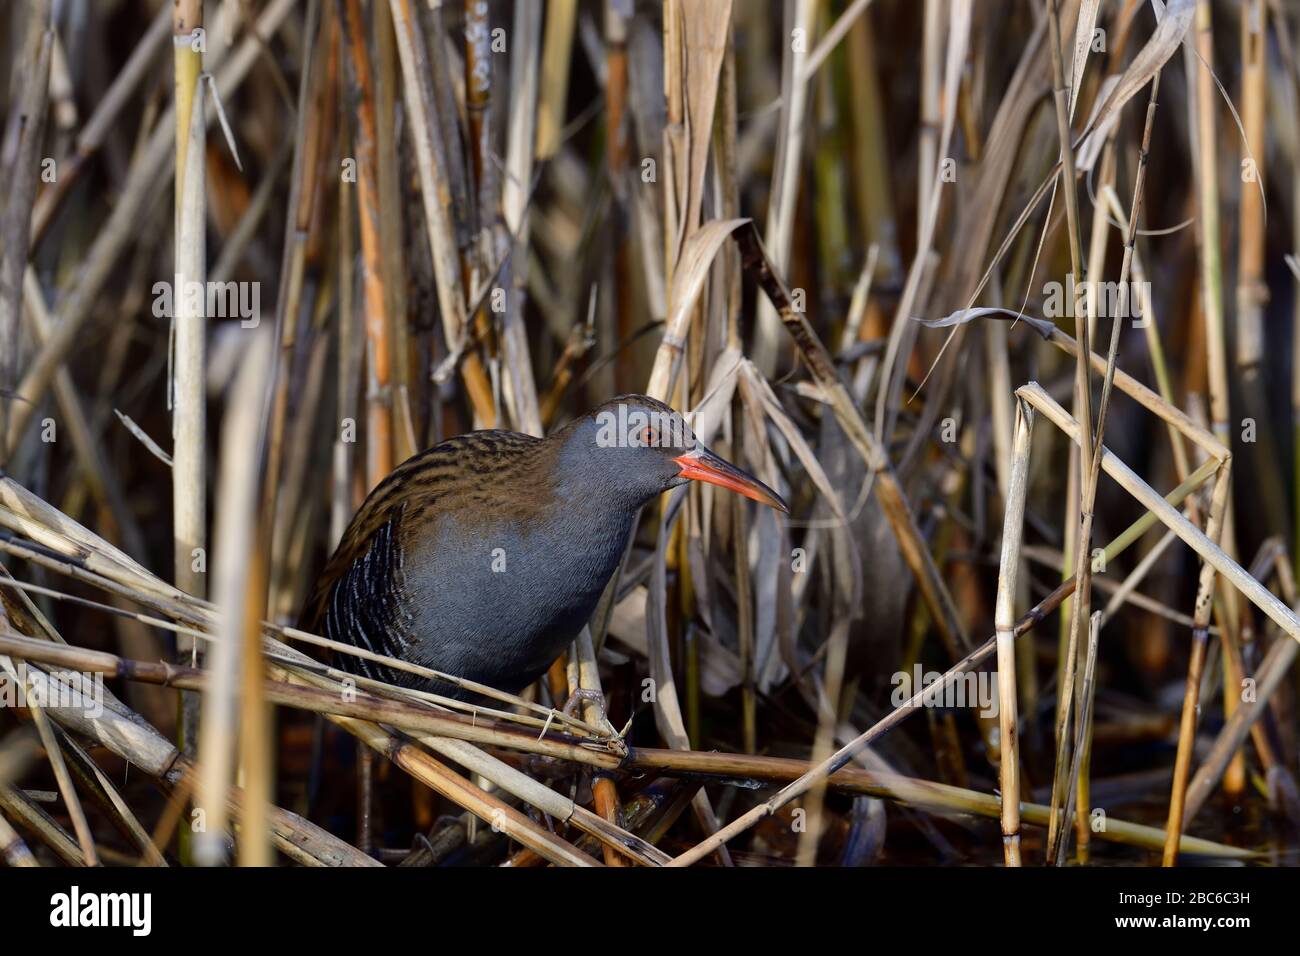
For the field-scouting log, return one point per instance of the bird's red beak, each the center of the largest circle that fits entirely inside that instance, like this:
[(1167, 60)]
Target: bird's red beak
[(703, 465)]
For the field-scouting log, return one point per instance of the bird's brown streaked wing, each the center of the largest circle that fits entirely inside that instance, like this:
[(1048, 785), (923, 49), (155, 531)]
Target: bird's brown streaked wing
[(409, 493), (364, 606)]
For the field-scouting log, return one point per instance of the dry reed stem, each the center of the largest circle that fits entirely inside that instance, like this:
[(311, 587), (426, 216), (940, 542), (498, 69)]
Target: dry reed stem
[(102, 789), (414, 718), (232, 696), (314, 91), (584, 675), (520, 388), (26, 813), (1090, 459), (927, 794), (54, 755), (189, 329), (76, 308), (437, 776), (13, 848), (1079, 512), (90, 138), (1268, 677), (378, 363), (935, 691), (1081, 749), (15, 222), (435, 195), (787, 177), (451, 785), (1199, 541), (1008, 573)]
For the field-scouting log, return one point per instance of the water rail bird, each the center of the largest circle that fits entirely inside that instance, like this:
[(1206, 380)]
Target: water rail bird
[(484, 556)]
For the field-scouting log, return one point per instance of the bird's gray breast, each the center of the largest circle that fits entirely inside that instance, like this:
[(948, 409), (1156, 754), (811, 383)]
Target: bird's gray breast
[(496, 599)]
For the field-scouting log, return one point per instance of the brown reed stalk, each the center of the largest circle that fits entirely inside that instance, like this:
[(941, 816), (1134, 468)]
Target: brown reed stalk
[(378, 364)]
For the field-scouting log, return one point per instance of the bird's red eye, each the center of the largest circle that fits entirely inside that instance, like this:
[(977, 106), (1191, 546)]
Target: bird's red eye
[(649, 438)]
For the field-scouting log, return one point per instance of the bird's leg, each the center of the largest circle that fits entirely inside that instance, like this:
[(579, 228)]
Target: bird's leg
[(582, 693)]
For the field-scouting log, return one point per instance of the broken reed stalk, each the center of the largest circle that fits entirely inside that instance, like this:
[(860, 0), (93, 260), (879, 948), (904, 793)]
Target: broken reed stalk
[(483, 804), (133, 739), (418, 763), (1005, 617), (105, 793)]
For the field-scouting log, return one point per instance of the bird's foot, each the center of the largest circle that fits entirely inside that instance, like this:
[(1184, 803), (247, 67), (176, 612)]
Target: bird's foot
[(583, 694)]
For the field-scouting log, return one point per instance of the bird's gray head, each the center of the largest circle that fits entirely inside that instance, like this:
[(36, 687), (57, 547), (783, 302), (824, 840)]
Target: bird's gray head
[(634, 448)]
